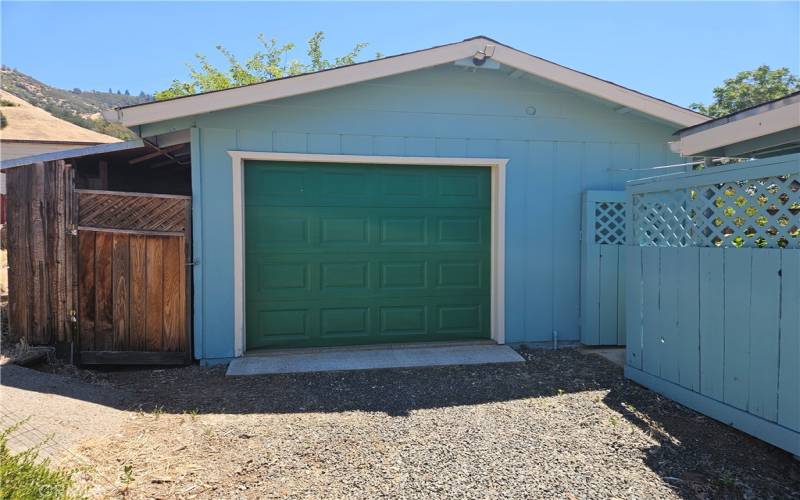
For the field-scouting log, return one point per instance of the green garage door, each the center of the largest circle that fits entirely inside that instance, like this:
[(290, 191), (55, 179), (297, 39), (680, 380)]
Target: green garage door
[(343, 254)]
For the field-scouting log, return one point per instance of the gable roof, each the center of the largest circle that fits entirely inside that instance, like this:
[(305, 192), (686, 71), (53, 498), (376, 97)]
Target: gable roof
[(359, 72), (26, 122)]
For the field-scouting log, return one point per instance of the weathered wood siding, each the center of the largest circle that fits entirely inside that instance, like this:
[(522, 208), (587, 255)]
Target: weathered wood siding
[(41, 267)]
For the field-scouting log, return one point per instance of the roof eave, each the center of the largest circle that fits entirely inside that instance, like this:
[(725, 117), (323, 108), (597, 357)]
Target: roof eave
[(694, 142), (314, 82)]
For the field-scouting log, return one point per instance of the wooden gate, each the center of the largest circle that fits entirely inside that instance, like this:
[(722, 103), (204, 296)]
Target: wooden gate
[(602, 268), (134, 288)]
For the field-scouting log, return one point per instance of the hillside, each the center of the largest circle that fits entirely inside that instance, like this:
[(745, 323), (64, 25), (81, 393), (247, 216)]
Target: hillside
[(81, 107)]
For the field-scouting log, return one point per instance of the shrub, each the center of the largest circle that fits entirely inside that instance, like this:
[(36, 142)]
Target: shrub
[(24, 476)]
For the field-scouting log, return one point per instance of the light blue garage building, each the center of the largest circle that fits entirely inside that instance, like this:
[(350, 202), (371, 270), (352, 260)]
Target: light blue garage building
[(433, 195)]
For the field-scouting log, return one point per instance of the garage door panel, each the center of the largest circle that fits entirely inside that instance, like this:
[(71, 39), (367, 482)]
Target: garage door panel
[(344, 321), (344, 230), (293, 184), (277, 325), (340, 229), (342, 255), (353, 275), (365, 275), (359, 321), (403, 320)]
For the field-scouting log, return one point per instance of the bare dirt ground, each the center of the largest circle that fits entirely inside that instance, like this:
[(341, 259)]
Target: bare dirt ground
[(564, 425)]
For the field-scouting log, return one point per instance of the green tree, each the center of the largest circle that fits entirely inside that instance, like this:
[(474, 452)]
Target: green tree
[(749, 88), (270, 62)]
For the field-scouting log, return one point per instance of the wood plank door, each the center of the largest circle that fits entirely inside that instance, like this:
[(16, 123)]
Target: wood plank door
[(132, 298), (134, 288)]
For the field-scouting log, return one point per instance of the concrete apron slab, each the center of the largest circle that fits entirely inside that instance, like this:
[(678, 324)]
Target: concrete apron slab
[(341, 359)]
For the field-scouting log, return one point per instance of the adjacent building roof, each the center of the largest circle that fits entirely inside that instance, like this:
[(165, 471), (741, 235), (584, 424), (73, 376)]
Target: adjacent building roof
[(26, 122), (477, 49), (765, 129), (72, 153)]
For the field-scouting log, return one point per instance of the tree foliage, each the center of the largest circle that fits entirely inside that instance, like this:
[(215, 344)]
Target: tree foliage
[(749, 88), (270, 62)]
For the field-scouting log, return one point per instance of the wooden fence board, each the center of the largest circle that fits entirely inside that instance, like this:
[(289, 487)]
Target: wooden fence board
[(688, 326), (86, 295), (155, 295), (121, 298), (39, 282), (609, 275), (18, 297), (633, 302), (621, 294), (789, 373), (738, 270), (138, 255), (173, 294), (764, 335), (590, 296), (668, 317), (712, 322), (71, 261), (103, 279), (651, 284)]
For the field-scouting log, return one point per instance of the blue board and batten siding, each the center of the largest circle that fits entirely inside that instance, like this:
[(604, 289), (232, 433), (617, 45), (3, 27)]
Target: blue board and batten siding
[(563, 148)]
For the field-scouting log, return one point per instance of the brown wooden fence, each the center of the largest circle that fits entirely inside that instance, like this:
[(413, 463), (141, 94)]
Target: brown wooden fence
[(41, 270), (104, 275), (133, 290)]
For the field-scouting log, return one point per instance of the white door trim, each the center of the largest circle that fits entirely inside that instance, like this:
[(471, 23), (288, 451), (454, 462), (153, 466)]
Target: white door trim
[(498, 216)]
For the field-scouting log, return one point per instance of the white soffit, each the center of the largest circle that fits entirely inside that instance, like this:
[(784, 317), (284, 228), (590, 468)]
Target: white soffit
[(380, 68)]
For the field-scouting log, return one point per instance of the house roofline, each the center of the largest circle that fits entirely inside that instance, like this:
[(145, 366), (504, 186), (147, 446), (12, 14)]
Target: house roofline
[(742, 113), (397, 64)]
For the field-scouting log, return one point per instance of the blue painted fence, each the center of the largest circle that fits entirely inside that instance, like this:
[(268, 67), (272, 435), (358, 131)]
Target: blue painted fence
[(602, 268), (713, 293)]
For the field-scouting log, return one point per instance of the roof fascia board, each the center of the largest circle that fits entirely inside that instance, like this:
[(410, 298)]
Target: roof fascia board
[(313, 82), (597, 87), (769, 122), (278, 89)]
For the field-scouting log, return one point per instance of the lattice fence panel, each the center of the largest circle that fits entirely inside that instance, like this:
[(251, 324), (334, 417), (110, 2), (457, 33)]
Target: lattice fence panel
[(756, 213), (609, 223), (132, 212)]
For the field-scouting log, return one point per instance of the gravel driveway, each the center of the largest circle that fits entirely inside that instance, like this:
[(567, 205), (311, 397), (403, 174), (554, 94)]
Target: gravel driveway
[(564, 425)]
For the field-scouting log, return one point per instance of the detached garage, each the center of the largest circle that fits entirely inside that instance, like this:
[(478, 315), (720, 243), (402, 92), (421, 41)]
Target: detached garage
[(428, 196)]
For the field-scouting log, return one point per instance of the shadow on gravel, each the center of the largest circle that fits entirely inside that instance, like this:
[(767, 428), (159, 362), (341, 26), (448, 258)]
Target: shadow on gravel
[(697, 456), (395, 392)]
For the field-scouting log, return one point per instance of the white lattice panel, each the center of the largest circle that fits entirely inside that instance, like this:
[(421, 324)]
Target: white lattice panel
[(609, 223), (761, 213)]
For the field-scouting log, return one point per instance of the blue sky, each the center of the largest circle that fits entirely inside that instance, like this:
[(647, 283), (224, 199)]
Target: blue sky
[(677, 51)]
